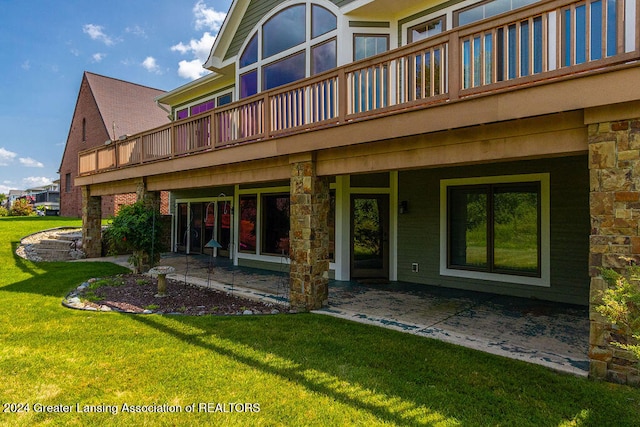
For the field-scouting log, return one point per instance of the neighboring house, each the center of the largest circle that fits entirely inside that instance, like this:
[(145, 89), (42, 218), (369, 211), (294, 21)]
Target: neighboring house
[(106, 110), (12, 197), (491, 146), (46, 197)]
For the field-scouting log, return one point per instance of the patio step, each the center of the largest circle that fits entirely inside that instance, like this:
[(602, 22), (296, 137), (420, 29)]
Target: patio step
[(55, 249)]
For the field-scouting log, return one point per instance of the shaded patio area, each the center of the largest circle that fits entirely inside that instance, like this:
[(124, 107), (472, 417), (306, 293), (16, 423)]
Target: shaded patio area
[(550, 334)]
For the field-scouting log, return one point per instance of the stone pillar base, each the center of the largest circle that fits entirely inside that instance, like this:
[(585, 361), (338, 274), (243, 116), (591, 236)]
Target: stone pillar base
[(91, 224), (309, 238)]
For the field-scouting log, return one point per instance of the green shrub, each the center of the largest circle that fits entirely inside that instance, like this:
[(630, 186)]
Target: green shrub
[(136, 229), (21, 207), (621, 305), (3, 211)]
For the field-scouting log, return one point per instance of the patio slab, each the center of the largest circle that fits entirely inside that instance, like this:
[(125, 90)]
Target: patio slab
[(550, 334)]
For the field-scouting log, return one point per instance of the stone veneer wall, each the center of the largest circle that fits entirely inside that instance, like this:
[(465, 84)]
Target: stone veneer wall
[(91, 224), (614, 163), (309, 237)]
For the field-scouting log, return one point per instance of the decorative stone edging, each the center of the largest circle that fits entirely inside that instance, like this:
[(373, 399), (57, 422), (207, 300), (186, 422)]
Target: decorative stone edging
[(73, 300)]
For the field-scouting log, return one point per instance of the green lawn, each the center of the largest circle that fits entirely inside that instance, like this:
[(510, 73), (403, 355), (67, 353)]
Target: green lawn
[(296, 370)]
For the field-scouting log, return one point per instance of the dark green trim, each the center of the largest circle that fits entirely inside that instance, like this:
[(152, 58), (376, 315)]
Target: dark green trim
[(369, 24)]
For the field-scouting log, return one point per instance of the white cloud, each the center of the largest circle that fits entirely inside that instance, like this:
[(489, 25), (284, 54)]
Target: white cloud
[(207, 17), (30, 163), (200, 49), (36, 181), (151, 65), (4, 189), (191, 69), (6, 157), (96, 33), (136, 31), (98, 57)]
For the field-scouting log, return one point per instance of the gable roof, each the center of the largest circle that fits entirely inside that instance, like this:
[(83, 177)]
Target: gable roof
[(128, 106), (125, 108)]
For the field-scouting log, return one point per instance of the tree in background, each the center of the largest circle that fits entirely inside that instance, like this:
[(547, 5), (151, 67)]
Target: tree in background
[(21, 207)]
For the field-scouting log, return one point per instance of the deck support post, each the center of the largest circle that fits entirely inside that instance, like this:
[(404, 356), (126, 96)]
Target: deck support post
[(308, 236), (614, 171), (91, 224)]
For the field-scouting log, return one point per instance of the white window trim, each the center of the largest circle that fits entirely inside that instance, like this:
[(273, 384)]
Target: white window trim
[(545, 230), (306, 47), (258, 192)]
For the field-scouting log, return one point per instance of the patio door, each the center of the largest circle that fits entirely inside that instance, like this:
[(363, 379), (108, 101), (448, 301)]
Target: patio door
[(369, 236), (223, 224), (199, 222)]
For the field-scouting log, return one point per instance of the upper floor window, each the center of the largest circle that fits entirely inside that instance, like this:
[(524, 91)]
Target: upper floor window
[(84, 130), (285, 30), (296, 42), (426, 29), (366, 45), (487, 10), (67, 183), (204, 106)]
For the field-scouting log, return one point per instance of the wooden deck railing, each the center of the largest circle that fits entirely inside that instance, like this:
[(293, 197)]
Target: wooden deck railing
[(550, 39)]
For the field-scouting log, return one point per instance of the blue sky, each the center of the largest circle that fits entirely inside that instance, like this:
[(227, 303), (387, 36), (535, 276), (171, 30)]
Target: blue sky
[(46, 45)]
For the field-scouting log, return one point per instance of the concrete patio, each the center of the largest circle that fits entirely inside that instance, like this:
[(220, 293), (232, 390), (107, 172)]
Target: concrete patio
[(545, 333)]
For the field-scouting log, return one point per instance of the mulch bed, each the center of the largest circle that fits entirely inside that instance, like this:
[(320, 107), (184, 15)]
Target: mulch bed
[(135, 293)]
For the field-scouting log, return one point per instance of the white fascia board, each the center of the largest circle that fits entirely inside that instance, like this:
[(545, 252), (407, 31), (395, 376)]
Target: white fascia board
[(225, 35), (165, 98)]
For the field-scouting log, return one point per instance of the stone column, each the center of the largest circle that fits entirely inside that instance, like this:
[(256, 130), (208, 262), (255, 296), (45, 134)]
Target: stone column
[(614, 163), (91, 224), (308, 235)]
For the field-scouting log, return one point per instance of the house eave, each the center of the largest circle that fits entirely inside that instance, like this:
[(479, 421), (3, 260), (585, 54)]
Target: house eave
[(186, 91)]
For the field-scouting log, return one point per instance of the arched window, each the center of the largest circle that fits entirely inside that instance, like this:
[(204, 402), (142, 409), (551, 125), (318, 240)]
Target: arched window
[(296, 42)]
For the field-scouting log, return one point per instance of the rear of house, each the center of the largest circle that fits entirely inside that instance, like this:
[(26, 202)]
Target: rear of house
[(490, 146)]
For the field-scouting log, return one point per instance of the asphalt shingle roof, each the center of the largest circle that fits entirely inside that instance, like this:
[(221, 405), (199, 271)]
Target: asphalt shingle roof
[(128, 107)]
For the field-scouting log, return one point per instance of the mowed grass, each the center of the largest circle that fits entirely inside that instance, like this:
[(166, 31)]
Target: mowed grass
[(297, 370)]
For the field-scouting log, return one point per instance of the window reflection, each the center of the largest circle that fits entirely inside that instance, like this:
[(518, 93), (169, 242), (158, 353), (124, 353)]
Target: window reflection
[(427, 29), (367, 45), (247, 229), (322, 21), (323, 57), (275, 238), (263, 68), (284, 30), (248, 84), (250, 54), (282, 72)]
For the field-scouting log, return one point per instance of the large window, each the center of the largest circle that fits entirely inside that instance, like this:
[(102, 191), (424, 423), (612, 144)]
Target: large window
[(295, 42), (496, 228), (248, 218), (275, 235)]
